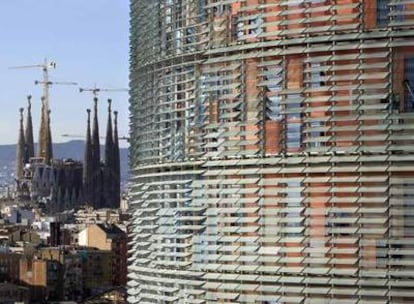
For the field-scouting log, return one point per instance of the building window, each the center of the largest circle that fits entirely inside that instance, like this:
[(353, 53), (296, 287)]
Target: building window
[(293, 105), (168, 15), (382, 13), (177, 40), (293, 121), (409, 85), (293, 136), (221, 9), (273, 108), (255, 25), (294, 198), (201, 6), (315, 125), (238, 28), (190, 38), (252, 26), (316, 76), (201, 100), (274, 78)]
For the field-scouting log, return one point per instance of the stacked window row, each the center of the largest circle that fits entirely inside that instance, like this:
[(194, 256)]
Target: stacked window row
[(351, 97), (294, 229), (166, 28)]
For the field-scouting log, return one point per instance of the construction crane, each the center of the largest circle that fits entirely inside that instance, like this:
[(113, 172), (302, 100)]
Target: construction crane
[(49, 83), (96, 90), (80, 136), (45, 66)]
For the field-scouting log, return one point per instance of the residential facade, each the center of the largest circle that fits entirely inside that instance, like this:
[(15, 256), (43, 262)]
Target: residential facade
[(11, 294), (10, 267), (62, 184), (82, 271), (41, 277), (272, 151), (109, 237)]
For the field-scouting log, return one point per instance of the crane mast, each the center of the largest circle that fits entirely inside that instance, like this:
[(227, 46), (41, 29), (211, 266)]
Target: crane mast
[(46, 86), (45, 66), (45, 140)]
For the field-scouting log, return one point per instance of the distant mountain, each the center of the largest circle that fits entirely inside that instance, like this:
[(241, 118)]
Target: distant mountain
[(72, 149)]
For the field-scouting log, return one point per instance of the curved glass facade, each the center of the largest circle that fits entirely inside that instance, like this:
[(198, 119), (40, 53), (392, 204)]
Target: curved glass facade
[(272, 151)]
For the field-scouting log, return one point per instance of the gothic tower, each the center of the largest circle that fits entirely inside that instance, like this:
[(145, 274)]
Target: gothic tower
[(117, 165), (20, 149), (45, 134), (29, 150), (96, 170), (49, 138), (87, 163), (109, 161)]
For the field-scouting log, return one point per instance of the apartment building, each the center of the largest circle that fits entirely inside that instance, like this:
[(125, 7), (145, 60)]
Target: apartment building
[(41, 277), (81, 271), (272, 151), (109, 237), (11, 294)]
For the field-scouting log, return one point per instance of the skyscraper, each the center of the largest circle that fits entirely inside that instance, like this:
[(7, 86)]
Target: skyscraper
[(272, 151)]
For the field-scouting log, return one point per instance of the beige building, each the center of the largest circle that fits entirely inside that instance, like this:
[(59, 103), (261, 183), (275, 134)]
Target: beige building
[(108, 237), (41, 276)]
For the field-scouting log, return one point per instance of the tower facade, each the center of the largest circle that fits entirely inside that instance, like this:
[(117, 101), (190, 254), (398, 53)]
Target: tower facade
[(57, 184), (272, 151), (28, 134), (45, 137), (20, 149)]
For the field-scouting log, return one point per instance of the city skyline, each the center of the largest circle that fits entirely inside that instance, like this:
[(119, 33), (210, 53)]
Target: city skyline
[(64, 139), (90, 47)]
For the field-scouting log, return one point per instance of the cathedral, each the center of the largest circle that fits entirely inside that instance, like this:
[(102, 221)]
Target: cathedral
[(63, 184)]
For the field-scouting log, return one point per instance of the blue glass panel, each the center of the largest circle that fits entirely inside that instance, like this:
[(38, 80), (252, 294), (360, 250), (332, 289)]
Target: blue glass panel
[(382, 13), (293, 136), (409, 89)]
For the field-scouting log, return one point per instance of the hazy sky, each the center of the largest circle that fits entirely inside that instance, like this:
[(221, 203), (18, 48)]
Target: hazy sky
[(89, 41)]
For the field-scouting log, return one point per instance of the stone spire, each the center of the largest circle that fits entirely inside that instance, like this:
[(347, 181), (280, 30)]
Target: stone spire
[(109, 140), (44, 133), (96, 154), (29, 132), (109, 161), (96, 172), (20, 149), (117, 165), (87, 162), (49, 138)]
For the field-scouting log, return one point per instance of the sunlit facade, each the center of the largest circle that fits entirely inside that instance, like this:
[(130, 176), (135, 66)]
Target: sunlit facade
[(272, 151)]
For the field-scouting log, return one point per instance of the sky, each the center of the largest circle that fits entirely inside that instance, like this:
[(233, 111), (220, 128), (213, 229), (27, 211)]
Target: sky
[(88, 40)]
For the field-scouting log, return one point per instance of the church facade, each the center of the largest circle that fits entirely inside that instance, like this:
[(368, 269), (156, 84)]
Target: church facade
[(63, 184)]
